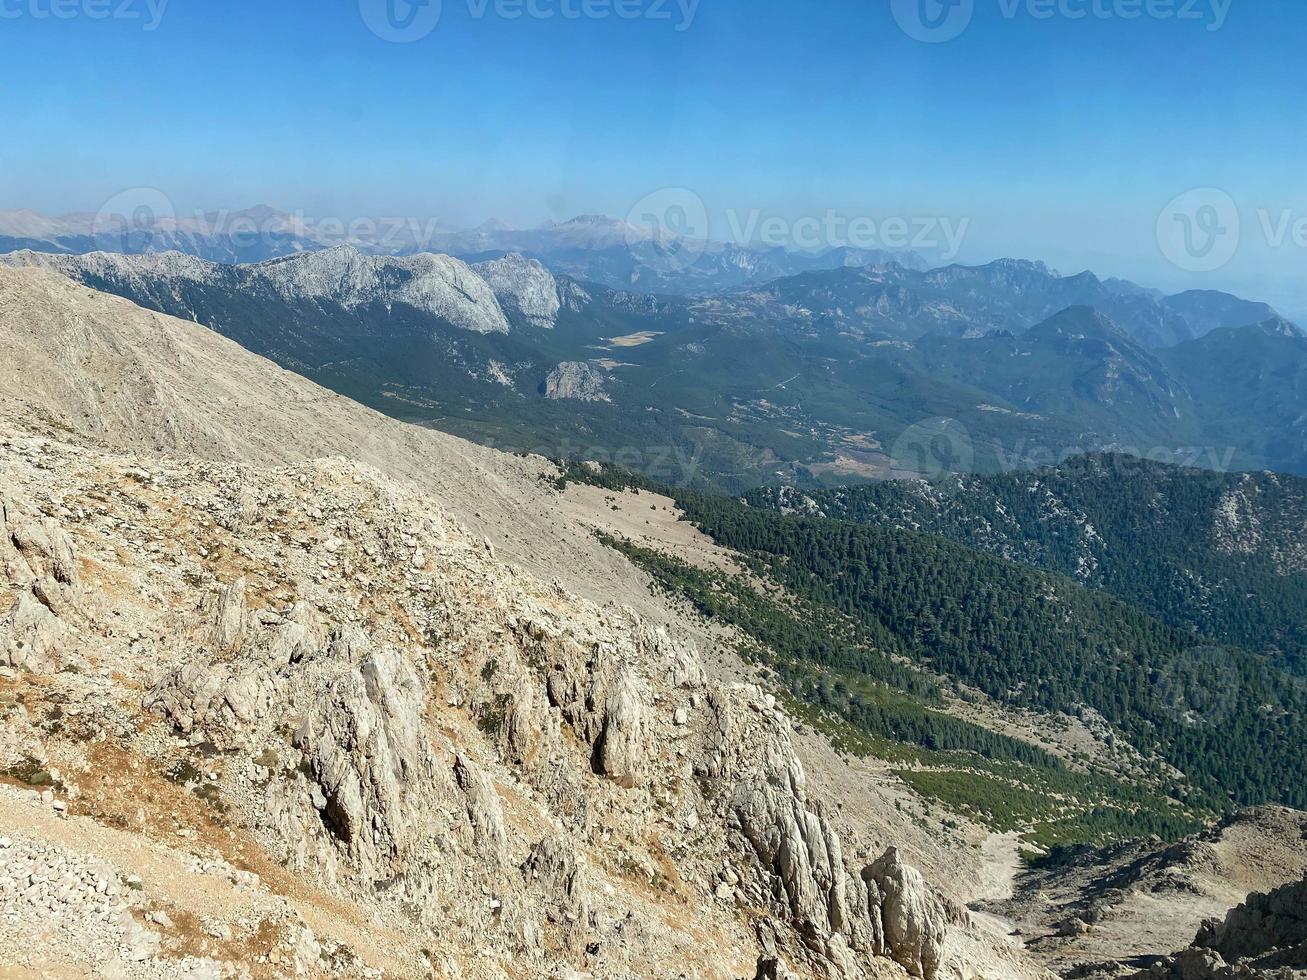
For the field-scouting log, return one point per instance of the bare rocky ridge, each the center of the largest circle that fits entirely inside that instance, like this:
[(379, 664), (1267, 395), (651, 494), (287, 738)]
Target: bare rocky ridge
[(437, 284), (524, 286), (253, 625), (478, 298)]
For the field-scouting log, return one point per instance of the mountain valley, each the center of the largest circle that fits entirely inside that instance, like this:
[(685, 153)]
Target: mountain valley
[(727, 394)]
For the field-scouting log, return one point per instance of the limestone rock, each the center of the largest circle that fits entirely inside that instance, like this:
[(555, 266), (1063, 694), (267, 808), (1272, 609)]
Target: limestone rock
[(29, 634), (576, 381), (483, 810), (552, 873), (368, 755), (625, 747), (913, 919), (523, 286), (801, 858), (530, 724), (229, 614), (47, 549)]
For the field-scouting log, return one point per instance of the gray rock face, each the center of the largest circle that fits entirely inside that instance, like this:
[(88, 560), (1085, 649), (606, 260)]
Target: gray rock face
[(552, 864), (29, 634), (435, 284), (484, 814), (624, 748), (359, 726), (47, 550), (1263, 924), (229, 616), (439, 285), (577, 381), (523, 286), (38, 555), (530, 725), (573, 296), (368, 754), (844, 918), (801, 857), (912, 917)]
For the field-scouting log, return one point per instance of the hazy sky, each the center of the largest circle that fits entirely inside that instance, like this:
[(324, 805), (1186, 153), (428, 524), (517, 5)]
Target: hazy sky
[(1058, 129)]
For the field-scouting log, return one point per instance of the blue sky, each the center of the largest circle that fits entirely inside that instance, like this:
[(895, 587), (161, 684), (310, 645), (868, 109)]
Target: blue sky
[(1056, 138)]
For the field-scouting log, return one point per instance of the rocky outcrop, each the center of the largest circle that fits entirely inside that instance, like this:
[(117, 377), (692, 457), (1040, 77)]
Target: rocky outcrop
[(573, 296), (553, 871), (37, 555), (370, 759), (912, 918), (843, 918), (229, 615), (524, 287), (1262, 924), (484, 815), (576, 381), (624, 745), (1266, 936), (440, 285), (46, 548), (29, 634)]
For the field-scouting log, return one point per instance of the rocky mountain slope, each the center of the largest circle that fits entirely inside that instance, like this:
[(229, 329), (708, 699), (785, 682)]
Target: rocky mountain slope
[(438, 286), (1266, 936), (1250, 386), (292, 688), (1088, 907)]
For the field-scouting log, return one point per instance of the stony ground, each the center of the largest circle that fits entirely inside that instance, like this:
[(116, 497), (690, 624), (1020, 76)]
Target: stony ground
[(300, 716), (1147, 899)]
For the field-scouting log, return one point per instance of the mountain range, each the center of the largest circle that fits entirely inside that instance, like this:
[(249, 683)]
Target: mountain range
[(798, 380), (969, 301), (595, 248), (732, 390)]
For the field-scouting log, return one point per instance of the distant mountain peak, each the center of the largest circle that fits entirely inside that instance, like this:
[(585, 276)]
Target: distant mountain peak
[(1023, 265), (591, 219), (1079, 321)]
